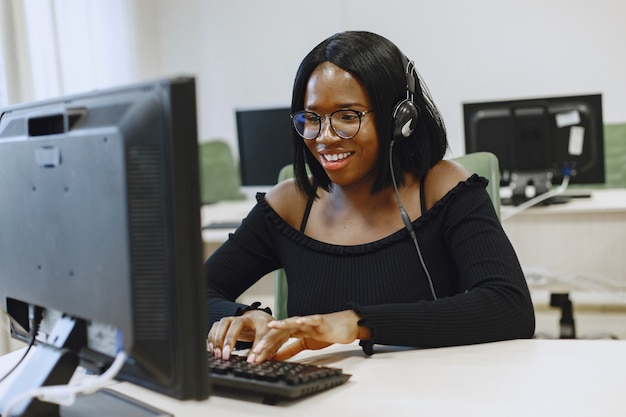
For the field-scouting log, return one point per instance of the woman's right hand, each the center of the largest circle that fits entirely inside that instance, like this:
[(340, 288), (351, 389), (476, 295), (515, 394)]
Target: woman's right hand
[(251, 326)]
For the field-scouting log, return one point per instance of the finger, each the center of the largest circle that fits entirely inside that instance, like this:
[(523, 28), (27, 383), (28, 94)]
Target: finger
[(231, 337), (211, 337), (291, 350), (265, 347), (221, 327)]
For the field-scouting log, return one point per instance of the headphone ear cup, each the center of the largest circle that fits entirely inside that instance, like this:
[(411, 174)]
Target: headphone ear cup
[(405, 119)]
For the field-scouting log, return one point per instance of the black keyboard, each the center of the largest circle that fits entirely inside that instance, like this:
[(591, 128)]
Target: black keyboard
[(273, 380)]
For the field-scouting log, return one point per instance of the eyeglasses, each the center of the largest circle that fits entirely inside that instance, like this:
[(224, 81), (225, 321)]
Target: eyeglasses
[(344, 122)]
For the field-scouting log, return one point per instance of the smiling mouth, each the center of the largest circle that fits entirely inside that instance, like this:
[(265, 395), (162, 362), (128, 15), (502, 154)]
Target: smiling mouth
[(336, 156)]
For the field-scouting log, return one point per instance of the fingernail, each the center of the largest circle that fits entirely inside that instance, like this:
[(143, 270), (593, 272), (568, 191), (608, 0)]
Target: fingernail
[(226, 352), (251, 358), (218, 353)]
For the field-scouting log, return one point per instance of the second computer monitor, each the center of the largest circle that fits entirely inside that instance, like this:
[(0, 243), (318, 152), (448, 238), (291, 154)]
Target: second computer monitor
[(560, 135), (264, 138)]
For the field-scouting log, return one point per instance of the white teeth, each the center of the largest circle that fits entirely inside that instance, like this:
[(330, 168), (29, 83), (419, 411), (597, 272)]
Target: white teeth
[(336, 156)]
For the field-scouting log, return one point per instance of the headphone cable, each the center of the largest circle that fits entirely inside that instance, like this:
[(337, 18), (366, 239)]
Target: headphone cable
[(34, 318), (407, 221)]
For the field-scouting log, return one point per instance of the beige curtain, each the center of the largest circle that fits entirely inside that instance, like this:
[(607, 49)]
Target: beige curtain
[(16, 81), (51, 48)]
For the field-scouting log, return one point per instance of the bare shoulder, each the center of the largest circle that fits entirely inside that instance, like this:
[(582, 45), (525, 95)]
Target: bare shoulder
[(442, 178), (287, 201)]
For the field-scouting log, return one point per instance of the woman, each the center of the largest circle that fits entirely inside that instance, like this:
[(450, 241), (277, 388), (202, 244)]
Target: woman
[(427, 265)]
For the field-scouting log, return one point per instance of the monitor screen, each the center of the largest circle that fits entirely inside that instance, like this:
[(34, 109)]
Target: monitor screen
[(550, 134), (264, 138), (100, 234)]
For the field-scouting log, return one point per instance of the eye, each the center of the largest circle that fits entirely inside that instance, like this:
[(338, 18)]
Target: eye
[(348, 116), (311, 117)]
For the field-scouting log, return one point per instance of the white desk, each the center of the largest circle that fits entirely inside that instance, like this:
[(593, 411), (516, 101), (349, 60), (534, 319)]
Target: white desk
[(516, 378), (579, 245), (224, 211)]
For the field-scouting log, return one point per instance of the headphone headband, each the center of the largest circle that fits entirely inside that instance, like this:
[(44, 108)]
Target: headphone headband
[(409, 69)]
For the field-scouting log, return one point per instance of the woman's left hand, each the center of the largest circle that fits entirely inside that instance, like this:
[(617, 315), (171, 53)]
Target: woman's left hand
[(313, 332)]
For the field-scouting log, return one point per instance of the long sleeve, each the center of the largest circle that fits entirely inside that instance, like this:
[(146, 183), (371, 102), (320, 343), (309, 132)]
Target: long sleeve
[(493, 302), (247, 255)]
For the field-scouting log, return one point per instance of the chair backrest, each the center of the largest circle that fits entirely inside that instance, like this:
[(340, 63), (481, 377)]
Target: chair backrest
[(615, 155), (482, 163), (219, 176), (285, 173), (486, 165)]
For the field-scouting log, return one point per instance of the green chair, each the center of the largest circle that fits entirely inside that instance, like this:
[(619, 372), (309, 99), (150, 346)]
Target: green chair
[(285, 173), (486, 165), (219, 176), (615, 155), (481, 163)]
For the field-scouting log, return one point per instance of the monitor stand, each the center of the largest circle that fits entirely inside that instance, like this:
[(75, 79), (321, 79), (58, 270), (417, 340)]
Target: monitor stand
[(51, 363), (527, 185), (106, 403), (54, 363)]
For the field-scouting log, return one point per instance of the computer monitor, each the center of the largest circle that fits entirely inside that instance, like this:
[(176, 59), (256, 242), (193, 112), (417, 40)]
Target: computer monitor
[(264, 138), (540, 139), (100, 234)]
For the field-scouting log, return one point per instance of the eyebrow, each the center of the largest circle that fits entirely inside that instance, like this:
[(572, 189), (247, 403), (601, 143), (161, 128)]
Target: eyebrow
[(341, 106)]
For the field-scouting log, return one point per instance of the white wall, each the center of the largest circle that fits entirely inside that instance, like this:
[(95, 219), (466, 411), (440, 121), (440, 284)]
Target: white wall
[(245, 52)]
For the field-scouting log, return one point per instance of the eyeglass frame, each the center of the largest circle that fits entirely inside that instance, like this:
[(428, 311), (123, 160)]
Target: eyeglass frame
[(360, 114)]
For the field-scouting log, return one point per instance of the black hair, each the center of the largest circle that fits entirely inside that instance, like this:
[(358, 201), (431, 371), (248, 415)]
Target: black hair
[(380, 66)]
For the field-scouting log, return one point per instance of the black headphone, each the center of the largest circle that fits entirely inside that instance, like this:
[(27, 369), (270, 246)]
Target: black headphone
[(405, 113)]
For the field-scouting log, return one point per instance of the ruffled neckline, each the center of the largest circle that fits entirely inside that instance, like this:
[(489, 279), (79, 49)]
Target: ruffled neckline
[(299, 238)]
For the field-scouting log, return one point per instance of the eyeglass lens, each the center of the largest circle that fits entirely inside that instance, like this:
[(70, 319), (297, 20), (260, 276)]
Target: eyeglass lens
[(345, 123)]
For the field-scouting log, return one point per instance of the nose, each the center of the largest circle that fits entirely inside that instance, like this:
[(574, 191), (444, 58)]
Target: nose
[(327, 133)]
